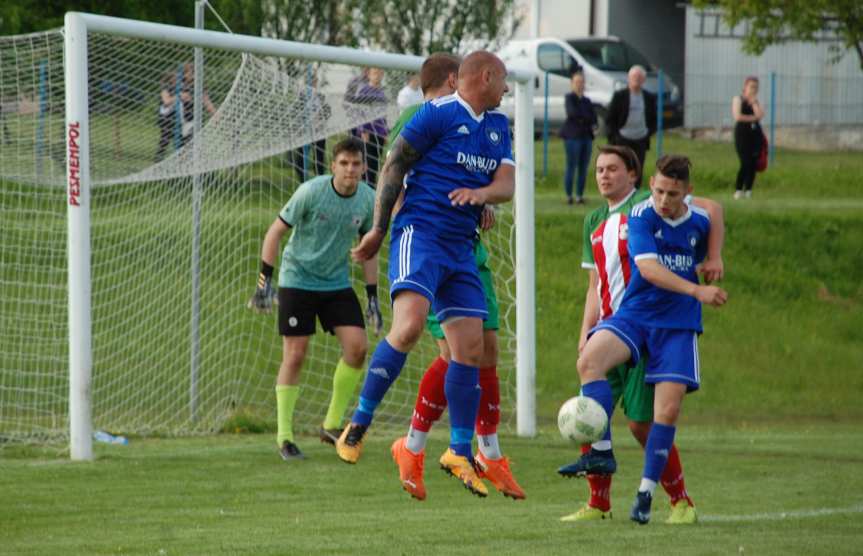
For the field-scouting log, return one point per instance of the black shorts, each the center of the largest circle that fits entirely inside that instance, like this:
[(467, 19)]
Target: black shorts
[(298, 309)]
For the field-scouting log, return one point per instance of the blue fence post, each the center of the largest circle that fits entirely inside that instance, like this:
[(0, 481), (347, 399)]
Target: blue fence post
[(772, 146), (545, 131), (660, 91), (43, 109), (178, 110)]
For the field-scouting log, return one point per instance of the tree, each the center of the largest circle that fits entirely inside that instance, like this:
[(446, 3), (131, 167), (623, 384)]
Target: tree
[(406, 26), (27, 17), (776, 21), (424, 26), (321, 21)]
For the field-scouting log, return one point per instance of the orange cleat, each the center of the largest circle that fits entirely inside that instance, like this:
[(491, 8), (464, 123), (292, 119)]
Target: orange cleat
[(410, 468), (498, 473)]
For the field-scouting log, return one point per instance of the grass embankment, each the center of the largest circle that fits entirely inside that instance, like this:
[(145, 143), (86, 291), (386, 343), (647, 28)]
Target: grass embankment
[(789, 344)]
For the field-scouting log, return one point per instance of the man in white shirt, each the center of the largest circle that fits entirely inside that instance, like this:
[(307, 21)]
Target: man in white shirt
[(411, 93)]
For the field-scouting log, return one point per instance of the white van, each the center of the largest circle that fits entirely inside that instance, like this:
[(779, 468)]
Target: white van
[(605, 62)]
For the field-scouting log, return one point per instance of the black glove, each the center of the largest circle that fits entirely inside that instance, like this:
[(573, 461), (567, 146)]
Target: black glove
[(373, 310), (265, 295)]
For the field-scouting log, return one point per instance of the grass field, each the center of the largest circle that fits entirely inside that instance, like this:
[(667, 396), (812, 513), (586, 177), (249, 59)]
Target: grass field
[(791, 331), (772, 444), (759, 490)]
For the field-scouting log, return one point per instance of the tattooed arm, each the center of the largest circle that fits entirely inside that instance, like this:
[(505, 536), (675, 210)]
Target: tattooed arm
[(401, 157)]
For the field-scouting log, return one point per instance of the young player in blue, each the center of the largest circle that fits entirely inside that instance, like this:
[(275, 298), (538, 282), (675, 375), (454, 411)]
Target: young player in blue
[(660, 313), (452, 153)]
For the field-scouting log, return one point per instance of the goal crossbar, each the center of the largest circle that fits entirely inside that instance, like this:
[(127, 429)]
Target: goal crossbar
[(78, 187)]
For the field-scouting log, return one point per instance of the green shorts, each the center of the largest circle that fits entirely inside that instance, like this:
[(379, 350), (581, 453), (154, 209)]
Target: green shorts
[(492, 321), (628, 387)]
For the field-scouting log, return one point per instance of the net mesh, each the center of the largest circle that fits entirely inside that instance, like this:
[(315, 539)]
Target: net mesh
[(268, 124), (33, 314)]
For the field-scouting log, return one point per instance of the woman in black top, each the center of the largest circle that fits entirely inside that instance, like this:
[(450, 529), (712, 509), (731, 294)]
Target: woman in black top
[(748, 136), (577, 134)]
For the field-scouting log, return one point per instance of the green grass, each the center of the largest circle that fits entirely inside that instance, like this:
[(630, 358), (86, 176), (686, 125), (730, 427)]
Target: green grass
[(791, 332), (233, 495), (789, 344), (795, 175), (774, 430)]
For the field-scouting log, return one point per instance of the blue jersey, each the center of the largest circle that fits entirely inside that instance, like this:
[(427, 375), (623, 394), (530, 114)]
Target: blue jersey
[(679, 245), (459, 149)]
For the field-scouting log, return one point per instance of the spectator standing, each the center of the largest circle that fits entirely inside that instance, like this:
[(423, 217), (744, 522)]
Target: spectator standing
[(373, 133), (577, 134), (748, 135), (410, 94), (351, 98), (316, 112), (355, 84), (166, 119), (632, 116), (187, 100)]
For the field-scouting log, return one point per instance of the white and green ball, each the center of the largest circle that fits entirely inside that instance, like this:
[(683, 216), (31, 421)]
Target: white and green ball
[(582, 420)]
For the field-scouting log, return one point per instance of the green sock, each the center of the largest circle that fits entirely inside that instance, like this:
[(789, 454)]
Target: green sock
[(286, 399), (345, 381)]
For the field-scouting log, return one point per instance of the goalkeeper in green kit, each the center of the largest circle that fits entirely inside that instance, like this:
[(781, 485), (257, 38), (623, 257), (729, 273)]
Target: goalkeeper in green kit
[(326, 215)]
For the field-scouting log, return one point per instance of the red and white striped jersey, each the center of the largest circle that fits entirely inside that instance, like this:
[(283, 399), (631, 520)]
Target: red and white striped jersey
[(605, 233), (612, 262)]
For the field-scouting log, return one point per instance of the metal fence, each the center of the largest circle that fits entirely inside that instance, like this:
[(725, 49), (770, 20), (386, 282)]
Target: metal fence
[(788, 100), (802, 84)]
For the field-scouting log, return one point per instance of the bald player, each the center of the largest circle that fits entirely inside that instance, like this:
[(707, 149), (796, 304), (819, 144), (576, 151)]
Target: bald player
[(439, 77), (457, 139)]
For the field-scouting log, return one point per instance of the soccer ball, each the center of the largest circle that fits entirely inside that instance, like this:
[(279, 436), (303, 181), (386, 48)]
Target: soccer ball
[(582, 420)]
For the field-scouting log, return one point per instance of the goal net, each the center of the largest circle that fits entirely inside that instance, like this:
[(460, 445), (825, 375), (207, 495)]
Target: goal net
[(177, 217)]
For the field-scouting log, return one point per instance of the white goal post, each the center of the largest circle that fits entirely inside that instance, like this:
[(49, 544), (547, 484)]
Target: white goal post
[(79, 26)]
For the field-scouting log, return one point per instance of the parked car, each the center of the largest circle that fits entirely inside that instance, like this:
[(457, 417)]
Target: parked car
[(605, 62)]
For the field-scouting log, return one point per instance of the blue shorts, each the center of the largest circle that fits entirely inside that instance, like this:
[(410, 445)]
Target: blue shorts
[(443, 272), (672, 354)]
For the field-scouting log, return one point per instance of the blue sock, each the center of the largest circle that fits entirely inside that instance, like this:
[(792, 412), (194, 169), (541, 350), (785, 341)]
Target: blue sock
[(384, 369), (600, 391), (659, 443), (462, 396)]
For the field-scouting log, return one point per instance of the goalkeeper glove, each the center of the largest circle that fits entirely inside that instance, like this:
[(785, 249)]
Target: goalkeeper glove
[(265, 294), (373, 311)]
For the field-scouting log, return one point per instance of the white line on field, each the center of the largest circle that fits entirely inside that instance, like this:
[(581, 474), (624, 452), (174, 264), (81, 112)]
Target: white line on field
[(779, 516)]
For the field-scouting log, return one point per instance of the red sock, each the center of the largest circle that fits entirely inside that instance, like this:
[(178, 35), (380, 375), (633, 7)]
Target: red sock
[(431, 399), (600, 488), (488, 416), (672, 478)]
